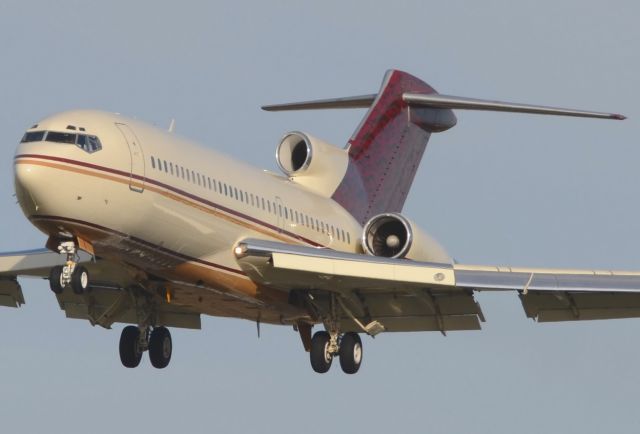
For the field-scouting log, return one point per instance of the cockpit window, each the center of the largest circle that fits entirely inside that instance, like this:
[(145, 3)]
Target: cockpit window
[(92, 143), (69, 138), (86, 142), (33, 136)]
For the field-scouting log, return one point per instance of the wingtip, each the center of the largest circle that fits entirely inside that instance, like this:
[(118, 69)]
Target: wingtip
[(618, 117)]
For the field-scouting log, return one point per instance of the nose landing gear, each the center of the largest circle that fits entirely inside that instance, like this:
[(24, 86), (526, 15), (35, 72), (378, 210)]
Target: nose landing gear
[(71, 274)]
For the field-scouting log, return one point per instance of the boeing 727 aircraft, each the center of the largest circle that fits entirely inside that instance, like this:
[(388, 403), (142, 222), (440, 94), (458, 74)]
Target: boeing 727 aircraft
[(152, 230)]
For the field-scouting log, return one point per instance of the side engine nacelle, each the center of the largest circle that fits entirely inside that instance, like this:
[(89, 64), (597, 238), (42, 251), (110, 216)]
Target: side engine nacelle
[(392, 235), (311, 162)]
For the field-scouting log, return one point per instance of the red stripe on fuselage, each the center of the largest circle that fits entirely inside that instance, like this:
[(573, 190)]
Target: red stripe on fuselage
[(174, 190)]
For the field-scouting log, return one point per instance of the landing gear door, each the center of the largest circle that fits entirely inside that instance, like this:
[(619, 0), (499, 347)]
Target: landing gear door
[(137, 174)]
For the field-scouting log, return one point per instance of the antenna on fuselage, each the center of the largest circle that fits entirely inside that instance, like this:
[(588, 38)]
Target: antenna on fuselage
[(172, 125)]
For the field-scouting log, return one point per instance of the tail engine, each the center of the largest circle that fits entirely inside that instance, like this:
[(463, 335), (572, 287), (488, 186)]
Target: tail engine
[(312, 162), (392, 235)]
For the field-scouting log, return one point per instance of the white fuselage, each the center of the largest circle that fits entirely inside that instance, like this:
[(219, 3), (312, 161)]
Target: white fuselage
[(164, 204)]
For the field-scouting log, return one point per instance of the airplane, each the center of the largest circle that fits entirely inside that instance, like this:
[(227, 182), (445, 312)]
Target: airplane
[(153, 230)]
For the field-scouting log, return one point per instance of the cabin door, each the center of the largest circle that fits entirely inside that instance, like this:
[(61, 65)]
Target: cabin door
[(136, 172)]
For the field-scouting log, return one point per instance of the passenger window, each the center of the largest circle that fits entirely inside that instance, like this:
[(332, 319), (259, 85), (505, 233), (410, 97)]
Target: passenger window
[(209, 182), (166, 168), (269, 206), (153, 163), (171, 168), (348, 238)]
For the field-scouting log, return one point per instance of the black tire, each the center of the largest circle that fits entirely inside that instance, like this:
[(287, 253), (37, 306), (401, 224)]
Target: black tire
[(55, 280), (130, 354), (160, 347), (350, 353), (80, 280), (320, 357)]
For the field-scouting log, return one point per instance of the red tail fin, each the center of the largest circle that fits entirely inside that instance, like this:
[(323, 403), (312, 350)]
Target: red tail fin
[(385, 151)]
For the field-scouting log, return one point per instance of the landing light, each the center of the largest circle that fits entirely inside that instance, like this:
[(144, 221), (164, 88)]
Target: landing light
[(240, 250)]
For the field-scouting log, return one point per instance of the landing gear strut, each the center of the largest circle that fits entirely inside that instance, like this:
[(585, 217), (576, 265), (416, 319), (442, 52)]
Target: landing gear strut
[(71, 274)]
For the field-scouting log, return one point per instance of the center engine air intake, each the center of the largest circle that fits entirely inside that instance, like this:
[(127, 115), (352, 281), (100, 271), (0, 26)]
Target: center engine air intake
[(392, 235), (294, 153), (311, 162)]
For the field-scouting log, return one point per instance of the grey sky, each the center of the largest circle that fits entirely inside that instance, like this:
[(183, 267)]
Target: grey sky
[(497, 189)]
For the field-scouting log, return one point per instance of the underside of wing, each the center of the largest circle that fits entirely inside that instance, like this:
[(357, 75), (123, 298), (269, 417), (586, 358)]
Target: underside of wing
[(405, 295), (399, 295), (110, 298)]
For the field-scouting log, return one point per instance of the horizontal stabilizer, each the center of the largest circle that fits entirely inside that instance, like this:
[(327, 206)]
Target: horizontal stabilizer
[(435, 100), (460, 103), (362, 101)]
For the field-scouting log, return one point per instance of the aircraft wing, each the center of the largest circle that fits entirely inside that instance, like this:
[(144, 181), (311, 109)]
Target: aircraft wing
[(405, 295), (106, 302), (560, 295), (30, 263)]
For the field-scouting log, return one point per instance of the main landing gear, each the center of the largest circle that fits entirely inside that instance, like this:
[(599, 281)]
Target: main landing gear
[(325, 346), (71, 274), (135, 340)]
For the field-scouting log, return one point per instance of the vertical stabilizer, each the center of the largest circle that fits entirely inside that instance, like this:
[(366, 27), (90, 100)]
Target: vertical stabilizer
[(386, 149)]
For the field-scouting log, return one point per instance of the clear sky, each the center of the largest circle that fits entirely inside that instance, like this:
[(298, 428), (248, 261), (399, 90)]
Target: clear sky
[(497, 189)]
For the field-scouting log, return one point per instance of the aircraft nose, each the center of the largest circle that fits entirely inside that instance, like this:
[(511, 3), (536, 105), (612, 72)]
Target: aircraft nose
[(26, 183)]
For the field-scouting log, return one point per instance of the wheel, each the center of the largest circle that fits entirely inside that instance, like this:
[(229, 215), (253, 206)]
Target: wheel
[(55, 280), (130, 354), (160, 347), (320, 357), (350, 353), (80, 280)]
